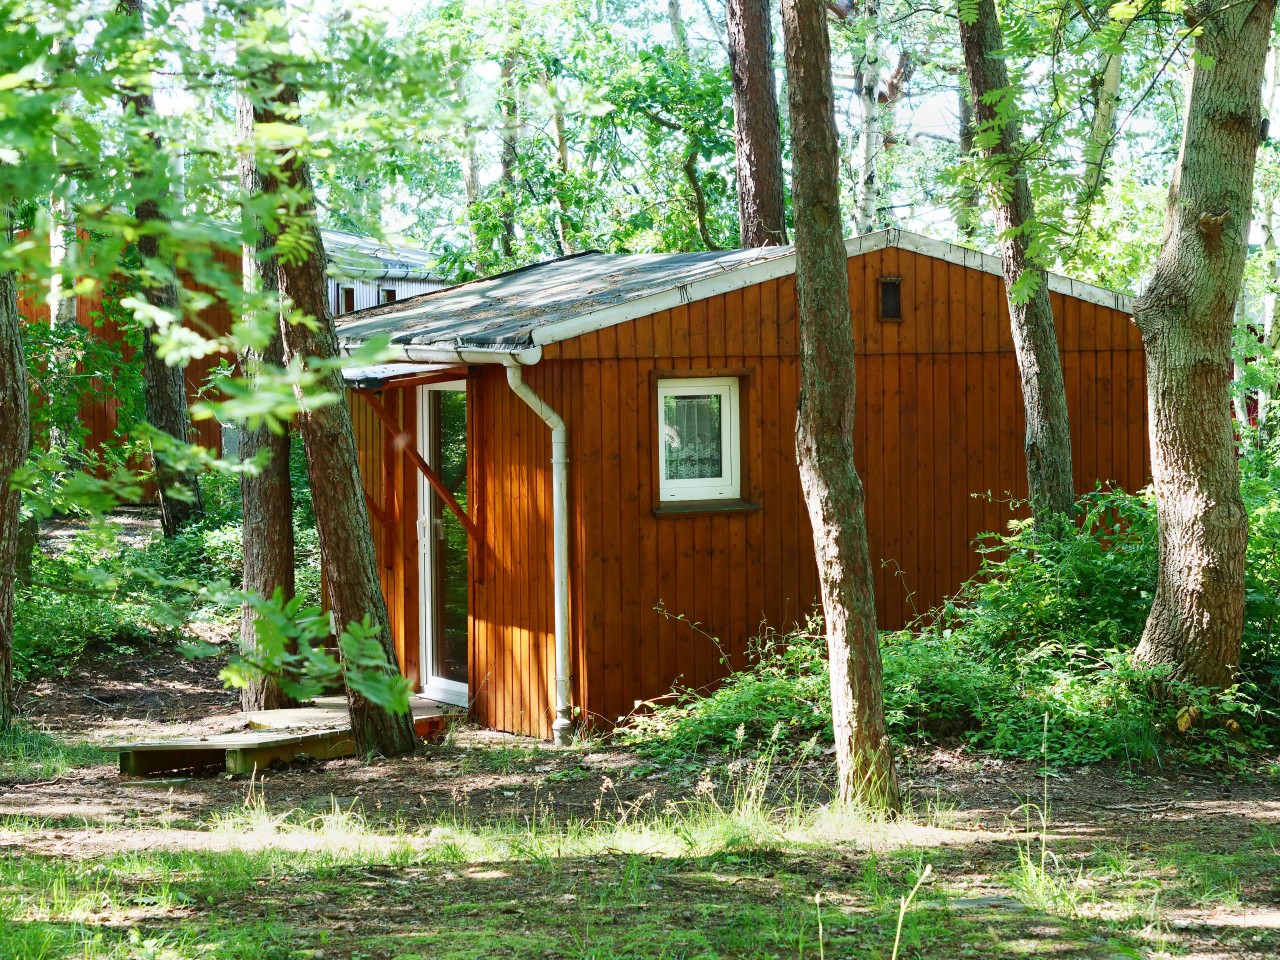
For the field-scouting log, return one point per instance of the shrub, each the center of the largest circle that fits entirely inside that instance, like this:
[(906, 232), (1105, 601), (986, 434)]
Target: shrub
[(1046, 630)]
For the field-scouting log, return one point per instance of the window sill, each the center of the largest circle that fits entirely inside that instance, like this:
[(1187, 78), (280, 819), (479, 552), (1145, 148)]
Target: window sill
[(685, 508)]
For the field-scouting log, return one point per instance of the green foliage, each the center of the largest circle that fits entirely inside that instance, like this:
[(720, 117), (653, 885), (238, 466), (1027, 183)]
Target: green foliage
[(1046, 630), (66, 612)]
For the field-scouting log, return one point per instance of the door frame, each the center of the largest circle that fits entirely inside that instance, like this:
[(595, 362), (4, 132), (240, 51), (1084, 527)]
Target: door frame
[(429, 509)]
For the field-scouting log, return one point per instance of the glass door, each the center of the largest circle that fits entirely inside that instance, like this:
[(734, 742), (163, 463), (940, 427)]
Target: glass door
[(442, 542)]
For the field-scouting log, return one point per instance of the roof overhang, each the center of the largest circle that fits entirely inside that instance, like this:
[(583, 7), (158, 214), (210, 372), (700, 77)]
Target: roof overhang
[(374, 376), (771, 264)]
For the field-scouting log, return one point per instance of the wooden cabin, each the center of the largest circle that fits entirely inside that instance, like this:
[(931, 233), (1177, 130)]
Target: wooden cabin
[(361, 271), (582, 471)]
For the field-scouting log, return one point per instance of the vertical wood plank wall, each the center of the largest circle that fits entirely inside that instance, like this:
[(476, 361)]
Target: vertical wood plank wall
[(939, 418)]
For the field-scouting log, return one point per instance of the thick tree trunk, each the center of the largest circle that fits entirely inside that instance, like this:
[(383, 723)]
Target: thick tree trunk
[(164, 386), (1044, 395), (1185, 315), (267, 498), (762, 205), (342, 518), (824, 423), (15, 444)]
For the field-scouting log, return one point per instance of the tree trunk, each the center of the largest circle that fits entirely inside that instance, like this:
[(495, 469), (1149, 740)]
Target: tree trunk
[(1185, 315), (1035, 344), (1103, 133), (679, 36), (342, 518), (969, 211), (510, 133), (1270, 332), (865, 216), (267, 498), (762, 205), (824, 423), (164, 385), (15, 444)]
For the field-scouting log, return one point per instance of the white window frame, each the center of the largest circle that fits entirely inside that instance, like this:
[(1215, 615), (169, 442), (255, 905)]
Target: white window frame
[(728, 486)]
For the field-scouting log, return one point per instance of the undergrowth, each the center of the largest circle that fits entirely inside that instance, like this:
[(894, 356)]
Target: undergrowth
[(1046, 629), (108, 598)]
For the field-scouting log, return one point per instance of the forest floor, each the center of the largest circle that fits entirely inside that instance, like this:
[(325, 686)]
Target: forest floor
[(487, 845)]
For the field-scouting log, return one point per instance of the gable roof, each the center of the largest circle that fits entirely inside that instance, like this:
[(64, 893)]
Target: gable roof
[(355, 257), (518, 312)]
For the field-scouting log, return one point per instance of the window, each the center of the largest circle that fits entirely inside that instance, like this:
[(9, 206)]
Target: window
[(891, 298), (386, 295), (698, 447)]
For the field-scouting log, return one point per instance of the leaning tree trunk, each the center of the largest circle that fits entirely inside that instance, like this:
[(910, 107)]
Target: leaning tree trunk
[(267, 497), (1185, 315), (164, 385), (15, 444), (342, 518), (762, 205), (1044, 395), (824, 423)]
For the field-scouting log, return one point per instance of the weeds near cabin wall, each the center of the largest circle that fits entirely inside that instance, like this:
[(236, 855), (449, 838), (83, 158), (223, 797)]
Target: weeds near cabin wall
[(1046, 630)]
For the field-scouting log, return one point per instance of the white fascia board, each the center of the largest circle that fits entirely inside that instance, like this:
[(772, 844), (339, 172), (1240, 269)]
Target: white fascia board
[(734, 278), (411, 353)]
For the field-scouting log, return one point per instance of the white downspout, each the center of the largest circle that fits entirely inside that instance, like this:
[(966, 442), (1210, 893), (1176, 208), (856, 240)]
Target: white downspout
[(562, 728)]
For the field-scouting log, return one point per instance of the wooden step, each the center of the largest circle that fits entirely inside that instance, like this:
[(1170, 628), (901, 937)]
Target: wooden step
[(321, 731)]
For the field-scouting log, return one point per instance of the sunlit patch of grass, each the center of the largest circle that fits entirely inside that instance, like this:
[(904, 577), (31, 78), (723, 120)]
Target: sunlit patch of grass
[(27, 755)]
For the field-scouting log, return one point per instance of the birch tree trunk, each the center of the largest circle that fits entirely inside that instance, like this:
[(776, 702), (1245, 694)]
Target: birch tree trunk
[(865, 217), (1044, 396), (267, 497), (762, 206), (1103, 131), (15, 444), (824, 423), (1185, 316), (969, 212), (164, 386), (1270, 328), (342, 519), (510, 134)]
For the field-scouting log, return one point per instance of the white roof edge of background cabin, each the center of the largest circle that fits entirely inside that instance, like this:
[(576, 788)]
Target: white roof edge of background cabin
[(738, 277)]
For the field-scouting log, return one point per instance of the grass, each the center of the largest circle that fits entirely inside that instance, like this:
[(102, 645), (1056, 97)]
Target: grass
[(732, 870), (27, 754)]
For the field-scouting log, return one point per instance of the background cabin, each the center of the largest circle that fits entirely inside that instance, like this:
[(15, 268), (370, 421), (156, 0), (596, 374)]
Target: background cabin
[(676, 379), (362, 272)]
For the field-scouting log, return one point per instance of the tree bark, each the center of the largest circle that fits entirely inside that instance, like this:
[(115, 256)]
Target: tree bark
[(1185, 316), (1044, 396), (824, 424), (969, 211), (342, 519), (164, 385), (15, 444), (865, 215), (757, 131), (267, 497), (1103, 132), (510, 134)]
